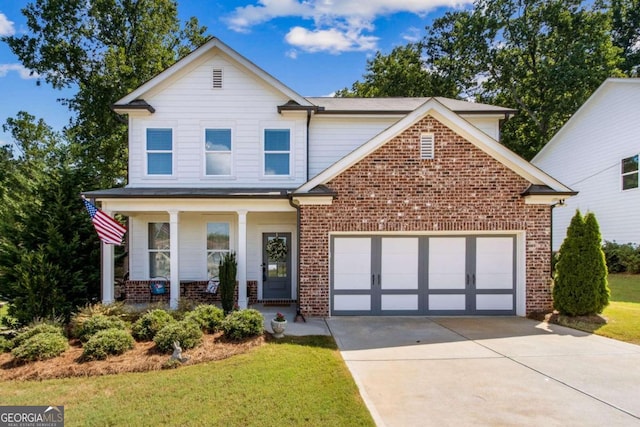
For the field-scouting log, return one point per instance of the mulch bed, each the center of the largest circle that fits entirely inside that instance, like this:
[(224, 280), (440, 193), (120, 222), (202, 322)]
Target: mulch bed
[(142, 358)]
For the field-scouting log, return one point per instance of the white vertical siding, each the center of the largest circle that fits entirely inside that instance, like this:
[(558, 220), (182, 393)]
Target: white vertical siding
[(586, 155), (188, 104)]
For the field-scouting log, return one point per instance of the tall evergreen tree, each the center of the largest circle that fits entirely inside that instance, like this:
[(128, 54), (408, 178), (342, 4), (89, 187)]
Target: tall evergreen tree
[(580, 286)]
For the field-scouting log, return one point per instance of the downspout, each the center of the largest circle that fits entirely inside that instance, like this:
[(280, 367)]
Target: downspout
[(308, 122), (299, 314), (553, 205)]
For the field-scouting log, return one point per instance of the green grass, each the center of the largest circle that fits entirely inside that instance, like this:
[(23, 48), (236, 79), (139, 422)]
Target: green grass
[(623, 311), (296, 382)]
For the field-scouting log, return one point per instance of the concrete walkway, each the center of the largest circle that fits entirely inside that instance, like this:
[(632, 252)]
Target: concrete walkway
[(417, 371)]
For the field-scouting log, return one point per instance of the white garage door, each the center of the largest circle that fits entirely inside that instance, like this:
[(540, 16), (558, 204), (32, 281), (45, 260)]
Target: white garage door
[(381, 275)]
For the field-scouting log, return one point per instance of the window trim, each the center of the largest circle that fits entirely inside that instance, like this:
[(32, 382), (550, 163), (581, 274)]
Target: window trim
[(147, 151), (624, 174), (205, 151), (264, 152)]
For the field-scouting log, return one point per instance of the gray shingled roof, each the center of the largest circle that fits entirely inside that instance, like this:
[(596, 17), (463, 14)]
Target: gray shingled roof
[(402, 105)]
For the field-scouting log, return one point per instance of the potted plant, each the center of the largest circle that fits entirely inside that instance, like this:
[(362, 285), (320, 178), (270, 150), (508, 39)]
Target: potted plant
[(278, 325)]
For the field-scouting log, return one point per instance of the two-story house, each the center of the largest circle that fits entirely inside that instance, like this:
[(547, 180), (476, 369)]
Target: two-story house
[(386, 206)]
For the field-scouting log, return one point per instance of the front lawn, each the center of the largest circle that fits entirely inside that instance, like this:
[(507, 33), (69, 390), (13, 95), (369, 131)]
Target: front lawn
[(295, 381), (622, 314)]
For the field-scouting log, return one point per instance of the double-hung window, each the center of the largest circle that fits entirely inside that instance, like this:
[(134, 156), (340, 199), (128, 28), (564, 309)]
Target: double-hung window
[(159, 151), (217, 146), (630, 172), (217, 246), (159, 249), (277, 152)]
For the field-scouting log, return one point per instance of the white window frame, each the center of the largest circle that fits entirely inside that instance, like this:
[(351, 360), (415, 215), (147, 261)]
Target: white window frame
[(264, 152), (154, 251), (206, 152), (623, 174), (221, 251), (147, 151)]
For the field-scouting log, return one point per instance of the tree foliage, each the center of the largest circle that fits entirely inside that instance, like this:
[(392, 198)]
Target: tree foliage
[(105, 49), (625, 23), (48, 249), (580, 286)]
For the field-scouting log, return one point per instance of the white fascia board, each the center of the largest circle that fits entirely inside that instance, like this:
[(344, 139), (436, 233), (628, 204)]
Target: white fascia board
[(132, 206), (313, 200), (200, 52), (456, 123), (544, 199)]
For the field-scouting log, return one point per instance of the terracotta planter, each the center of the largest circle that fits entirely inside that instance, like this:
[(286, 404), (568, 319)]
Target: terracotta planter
[(278, 328)]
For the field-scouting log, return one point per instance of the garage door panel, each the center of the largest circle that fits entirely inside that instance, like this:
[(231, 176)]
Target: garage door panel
[(399, 302), (447, 302), (352, 264), (399, 263), (447, 263), (494, 263), (494, 302), (352, 302)]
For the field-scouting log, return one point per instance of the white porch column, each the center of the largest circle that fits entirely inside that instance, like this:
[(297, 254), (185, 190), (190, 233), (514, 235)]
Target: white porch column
[(107, 272), (242, 259), (174, 291)]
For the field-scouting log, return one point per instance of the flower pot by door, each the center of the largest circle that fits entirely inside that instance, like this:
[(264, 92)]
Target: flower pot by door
[(278, 328)]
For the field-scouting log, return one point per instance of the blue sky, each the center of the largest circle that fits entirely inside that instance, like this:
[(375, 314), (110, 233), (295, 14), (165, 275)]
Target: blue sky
[(313, 46)]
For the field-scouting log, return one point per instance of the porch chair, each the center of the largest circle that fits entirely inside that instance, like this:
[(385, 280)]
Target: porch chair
[(158, 286)]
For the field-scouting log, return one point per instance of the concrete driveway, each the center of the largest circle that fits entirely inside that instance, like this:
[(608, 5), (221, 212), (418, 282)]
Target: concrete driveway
[(417, 371)]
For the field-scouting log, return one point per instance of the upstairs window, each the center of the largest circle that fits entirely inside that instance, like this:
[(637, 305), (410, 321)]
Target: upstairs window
[(427, 149), (217, 246), (630, 173), (159, 151), (217, 146), (159, 249), (277, 145)]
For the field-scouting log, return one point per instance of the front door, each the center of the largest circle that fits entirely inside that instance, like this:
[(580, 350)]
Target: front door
[(276, 265)]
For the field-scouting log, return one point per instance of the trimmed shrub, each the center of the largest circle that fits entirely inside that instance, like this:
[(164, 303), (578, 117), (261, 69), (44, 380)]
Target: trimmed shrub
[(227, 272), (243, 324), (39, 328), (95, 324), (146, 327), (5, 345), (580, 286), (208, 317), (42, 346), (107, 342), (116, 309), (187, 333)]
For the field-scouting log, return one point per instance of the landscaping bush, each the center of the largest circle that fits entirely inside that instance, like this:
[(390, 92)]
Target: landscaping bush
[(580, 286), (187, 333), (243, 324), (36, 329), (107, 342), (227, 271), (97, 323), (622, 258), (208, 317), (146, 327), (117, 309), (5, 345), (42, 346)]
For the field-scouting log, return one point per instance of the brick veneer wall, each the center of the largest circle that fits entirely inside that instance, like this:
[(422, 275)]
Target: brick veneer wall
[(137, 292), (393, 190)]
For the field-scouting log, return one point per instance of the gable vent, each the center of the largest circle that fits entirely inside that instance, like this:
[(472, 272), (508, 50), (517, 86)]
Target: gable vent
[(426, 146), (217, 78)]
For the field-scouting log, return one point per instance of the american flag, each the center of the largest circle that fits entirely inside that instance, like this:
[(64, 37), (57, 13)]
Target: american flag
[(109, 230)]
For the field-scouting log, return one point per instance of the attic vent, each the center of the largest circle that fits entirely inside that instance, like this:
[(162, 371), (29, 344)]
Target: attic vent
[(217, 78), (426, 146)]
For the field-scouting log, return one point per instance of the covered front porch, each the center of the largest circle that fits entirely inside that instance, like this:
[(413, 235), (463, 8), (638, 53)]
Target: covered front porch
[(182, 237)]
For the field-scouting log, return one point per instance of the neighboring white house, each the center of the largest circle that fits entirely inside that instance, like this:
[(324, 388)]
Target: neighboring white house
[(596, 153), (415, 193)]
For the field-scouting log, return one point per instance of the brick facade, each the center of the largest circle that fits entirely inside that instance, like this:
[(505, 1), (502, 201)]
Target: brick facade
[(393, 190), (137, 292)]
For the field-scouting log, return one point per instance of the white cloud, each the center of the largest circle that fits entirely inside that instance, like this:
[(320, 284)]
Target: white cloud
[(6, 26), (332, 40), (24, 73), (412, 34), (338, 25)]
